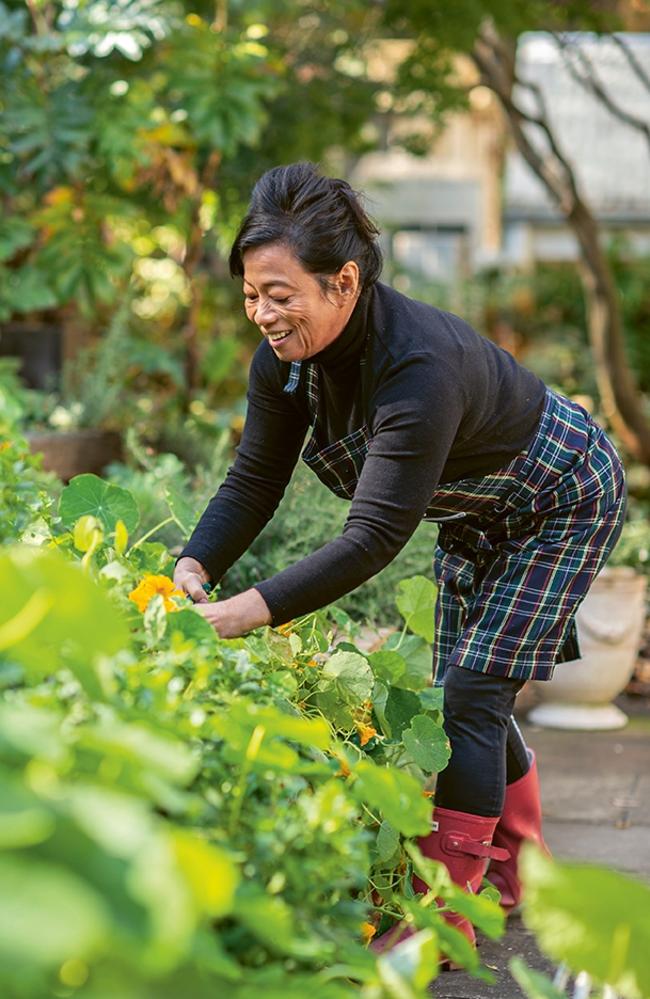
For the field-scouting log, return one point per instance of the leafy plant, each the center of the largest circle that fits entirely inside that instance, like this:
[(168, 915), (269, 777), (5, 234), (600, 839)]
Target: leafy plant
[(592, 919), (187, 813)]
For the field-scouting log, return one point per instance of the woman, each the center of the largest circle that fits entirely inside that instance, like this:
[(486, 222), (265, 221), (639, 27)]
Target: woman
[(413, 415)]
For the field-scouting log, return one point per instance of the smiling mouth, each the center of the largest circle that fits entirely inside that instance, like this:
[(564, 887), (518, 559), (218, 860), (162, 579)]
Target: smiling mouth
[(276, 338)]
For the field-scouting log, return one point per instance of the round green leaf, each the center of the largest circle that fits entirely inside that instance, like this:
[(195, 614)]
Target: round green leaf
[(88, 495), (415, 602), (427, 743)]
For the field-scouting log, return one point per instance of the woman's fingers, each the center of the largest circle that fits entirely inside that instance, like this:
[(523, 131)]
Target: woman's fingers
[(194, 589), (189, 576), (192, 584)]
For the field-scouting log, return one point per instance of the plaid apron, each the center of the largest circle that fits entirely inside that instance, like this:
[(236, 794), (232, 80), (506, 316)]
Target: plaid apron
[(517, 549)]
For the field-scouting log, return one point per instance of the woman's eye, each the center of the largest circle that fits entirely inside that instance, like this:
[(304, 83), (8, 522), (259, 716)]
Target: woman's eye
[(280, 301)]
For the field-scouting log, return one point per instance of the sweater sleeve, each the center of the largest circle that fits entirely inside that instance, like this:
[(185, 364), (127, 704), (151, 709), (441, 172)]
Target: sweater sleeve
[(272, 437), (417, 411)]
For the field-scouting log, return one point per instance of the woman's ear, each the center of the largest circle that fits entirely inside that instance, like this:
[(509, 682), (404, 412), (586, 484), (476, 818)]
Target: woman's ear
[(348, 281)]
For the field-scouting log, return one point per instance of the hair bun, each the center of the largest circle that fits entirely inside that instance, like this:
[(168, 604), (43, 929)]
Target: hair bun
[(322, 219)]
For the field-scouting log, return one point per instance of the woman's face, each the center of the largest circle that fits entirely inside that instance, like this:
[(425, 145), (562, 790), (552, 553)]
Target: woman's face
[(289, 306)]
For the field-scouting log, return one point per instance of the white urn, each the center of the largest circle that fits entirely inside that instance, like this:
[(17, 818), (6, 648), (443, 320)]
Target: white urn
[(610, 623)]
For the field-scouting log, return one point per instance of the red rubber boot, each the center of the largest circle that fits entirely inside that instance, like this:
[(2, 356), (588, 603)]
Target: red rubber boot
[(462, 842), (521, 821)]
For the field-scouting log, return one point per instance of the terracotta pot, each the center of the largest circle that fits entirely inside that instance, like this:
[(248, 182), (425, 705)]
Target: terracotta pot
[(71, 452), (610, 625)]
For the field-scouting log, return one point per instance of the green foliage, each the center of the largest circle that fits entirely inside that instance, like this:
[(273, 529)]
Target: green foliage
[(126, 165), (25, 491), (416, 600), (88, 495), (191, 814), (592, 919)]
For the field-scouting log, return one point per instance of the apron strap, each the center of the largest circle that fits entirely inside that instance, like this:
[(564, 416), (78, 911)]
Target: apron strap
[(294, 378)]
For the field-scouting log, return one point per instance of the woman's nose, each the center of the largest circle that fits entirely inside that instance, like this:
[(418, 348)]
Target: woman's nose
[(265, 314)]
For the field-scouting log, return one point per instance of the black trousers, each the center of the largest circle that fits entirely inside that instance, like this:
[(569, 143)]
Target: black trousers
[(487, 748)]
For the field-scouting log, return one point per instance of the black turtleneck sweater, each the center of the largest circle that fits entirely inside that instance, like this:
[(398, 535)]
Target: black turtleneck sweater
[(441, 403)]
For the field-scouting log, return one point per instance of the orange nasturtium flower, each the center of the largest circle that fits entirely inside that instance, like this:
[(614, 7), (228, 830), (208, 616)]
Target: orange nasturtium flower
[(148, 587), (367, 932), (366, 733)]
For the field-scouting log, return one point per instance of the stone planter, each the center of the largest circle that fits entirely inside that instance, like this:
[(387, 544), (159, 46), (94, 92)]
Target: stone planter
[(71, 452), (610, 624)]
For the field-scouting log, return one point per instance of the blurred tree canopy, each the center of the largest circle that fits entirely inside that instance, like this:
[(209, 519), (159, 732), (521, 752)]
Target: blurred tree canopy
[(131, 133)]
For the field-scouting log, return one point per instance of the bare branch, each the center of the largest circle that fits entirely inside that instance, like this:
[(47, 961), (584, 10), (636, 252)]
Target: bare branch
[(634, 63), (554, 168), (588, 79)]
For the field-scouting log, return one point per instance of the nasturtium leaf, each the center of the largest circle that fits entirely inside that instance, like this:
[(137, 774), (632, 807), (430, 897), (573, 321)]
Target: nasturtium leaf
[(415, 602), (396, 795), (87, 533), (387, 842), (88, 495), (431, 698), (345, 682), (387, 666), (418, 659), (401, 706), (349, 675), (427, 743), (47, 913), (593, 919)]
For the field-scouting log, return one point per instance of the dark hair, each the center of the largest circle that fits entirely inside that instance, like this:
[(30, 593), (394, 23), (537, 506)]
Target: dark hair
[(320, 218)]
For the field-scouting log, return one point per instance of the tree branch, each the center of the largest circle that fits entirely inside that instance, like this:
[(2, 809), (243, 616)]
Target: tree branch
[(618, 391), (554, 169), (634, 63), (594, 86)]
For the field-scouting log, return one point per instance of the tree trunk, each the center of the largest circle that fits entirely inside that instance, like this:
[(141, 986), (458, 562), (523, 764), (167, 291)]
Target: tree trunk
[(621, 399)]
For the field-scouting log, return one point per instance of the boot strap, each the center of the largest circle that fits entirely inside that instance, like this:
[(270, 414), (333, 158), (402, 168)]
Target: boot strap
[(461, 843)]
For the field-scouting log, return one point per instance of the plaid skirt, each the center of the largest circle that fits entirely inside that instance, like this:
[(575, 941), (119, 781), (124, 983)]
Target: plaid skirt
[(518, 549)]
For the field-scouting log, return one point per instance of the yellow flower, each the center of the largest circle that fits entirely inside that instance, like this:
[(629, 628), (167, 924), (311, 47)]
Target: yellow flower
[(367, 932), (148, 587)]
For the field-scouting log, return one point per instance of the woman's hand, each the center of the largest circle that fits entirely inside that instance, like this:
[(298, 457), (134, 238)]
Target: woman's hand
[(189, 576), (237, 615)]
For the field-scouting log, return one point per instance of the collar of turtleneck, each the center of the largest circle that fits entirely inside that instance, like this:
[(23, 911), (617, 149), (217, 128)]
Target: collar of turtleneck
[(342, 355)]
